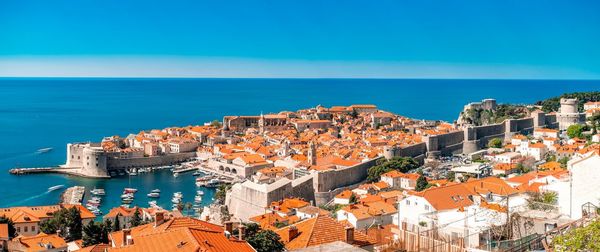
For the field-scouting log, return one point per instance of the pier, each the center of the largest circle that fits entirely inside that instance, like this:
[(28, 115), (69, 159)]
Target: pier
[(19, 171), (186, 169), (73, 195)]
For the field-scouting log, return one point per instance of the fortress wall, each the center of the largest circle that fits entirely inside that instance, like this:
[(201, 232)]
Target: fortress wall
[(413, 151), (322, 198), (249, 199), (325, 181), (444, 144), (124, 163), (551, 121), (303, 188)]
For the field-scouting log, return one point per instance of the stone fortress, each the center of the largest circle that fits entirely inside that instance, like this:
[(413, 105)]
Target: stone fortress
[(569, 114)]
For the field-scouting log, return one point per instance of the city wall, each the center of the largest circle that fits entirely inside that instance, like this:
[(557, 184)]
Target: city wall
[(169, 159), (325, 181)]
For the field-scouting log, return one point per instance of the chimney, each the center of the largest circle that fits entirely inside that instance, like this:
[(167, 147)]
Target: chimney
[(349, 235), (206, 218), (292, 233), (242, 232), (126, 237), (159, 218), (229, 227)]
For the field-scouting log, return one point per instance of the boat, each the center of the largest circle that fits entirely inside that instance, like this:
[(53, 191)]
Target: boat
[(97, 212), (125, 205), (152, 203), (175, 175), (178, 194), (43, 150), (130, 190), (54, 188), (156, 190), (99, 192), (127, 195), (213, 183), (199, 192), (198, 199), (196, 173), (126, 201), (176, 200), (133, 173), (153, 195)]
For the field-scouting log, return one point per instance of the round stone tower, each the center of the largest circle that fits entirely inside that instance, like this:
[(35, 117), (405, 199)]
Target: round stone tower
[(568, 105)]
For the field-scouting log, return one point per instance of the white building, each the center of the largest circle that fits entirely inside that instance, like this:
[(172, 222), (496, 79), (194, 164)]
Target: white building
[(582, 187)]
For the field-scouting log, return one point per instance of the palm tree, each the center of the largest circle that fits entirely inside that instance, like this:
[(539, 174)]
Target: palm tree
[(187, 207)]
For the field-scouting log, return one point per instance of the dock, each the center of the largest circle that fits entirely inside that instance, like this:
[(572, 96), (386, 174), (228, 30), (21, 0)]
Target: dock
[(185, 169), (73, 195), (19, 171)]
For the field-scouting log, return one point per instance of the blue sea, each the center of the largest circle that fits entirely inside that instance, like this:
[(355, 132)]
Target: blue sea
[(40, 113)]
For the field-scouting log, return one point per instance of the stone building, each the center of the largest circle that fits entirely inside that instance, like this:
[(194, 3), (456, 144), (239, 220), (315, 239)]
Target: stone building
[(568, 114)]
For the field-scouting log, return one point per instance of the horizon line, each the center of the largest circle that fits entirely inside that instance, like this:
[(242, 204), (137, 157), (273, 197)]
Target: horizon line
[(293, 78)]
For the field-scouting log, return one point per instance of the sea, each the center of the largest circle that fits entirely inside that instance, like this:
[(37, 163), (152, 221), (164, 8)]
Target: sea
[(38, 113)]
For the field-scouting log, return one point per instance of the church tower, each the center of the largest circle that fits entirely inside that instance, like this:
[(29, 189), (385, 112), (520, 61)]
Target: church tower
[(312, 153)]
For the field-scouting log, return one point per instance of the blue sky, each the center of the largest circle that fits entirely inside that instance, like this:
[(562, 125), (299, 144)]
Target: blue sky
[(363, 39)]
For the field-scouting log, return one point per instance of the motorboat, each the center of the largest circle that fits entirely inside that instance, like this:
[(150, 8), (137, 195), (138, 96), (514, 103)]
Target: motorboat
[(153, 195), (196, 173), (176, 200), (54, 188), (178, 194), (199, 192), (156, 191), (130, 190), (175, 174), (126, 201), (127, 195), (97, 191), (133, 173), (44, 150)]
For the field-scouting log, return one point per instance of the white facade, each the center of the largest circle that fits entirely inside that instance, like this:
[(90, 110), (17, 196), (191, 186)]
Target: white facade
[(583, 187)]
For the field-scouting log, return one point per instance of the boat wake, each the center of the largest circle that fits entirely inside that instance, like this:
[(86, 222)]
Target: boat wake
[(21, 202)]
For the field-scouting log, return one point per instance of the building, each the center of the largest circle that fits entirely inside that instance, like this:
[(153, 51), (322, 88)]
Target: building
[(363, 215), (39, 242), (126, 214), (320, 230), (178, 234), (27, 219), (398, 179), (4, 237), (582, 187), (569, 114)]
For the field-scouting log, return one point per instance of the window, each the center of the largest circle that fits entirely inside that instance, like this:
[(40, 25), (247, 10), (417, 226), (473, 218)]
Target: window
[(427, 207), (32, 228), (18, 229), (25, 229), (408, 203)]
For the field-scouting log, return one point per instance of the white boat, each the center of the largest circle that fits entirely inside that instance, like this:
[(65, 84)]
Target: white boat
[(153, 195), (44, 150), (197, 173), (127, 195), (152, 203), (125, 205), (176, 200), (130, 190), (178, 194), (199, 192), (156, 190), (133, 174), (98, 191), (175, 175), (54, 188)]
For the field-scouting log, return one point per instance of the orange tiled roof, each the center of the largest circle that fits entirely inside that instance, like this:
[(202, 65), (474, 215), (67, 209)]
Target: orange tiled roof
[(179, 234), (447, 197), (317, 231), (38, 242), (286, 205), (37, 213), (3, 230)]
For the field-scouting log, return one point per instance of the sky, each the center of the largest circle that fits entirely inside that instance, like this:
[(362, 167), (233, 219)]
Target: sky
[(533, 39)]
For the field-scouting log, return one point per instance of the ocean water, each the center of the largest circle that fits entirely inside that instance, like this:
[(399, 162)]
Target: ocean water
[(40, 113)]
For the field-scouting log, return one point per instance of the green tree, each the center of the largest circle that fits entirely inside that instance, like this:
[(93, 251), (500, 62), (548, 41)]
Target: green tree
[(74, 225), (402, 164), (353, 199), (94, 233), (421, 184), (575, 130), (12, 231), (136, 220), (266, 241), (495, 143), (563, 162), (451, 176), (221, 192), (116, 225), (49, 226), (216, 124), (579, 239)]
